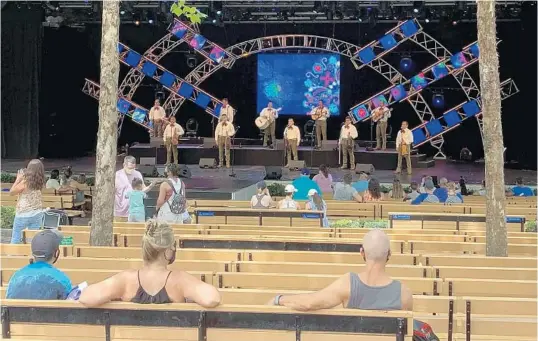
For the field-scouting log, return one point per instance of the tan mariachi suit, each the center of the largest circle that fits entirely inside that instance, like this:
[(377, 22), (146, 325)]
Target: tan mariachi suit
[(271, 114), (321, 124), (348, 134), (404, 140), (292, 136), (156, 116), (381, 129), (223, 133), (171, 140)]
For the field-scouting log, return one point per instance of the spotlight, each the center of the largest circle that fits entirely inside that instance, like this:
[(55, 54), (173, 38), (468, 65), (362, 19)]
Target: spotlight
[(415, 10), (137, 22), (219, 12), (406, 64), (191, 127), (150, 21), (191, 61), (438, 100), (454, 23), (122, 12), (360, 19), (427, 20), (214, 21)]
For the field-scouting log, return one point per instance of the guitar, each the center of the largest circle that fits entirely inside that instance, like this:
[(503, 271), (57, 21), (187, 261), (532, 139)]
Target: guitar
[(379, 113), (317, 114)]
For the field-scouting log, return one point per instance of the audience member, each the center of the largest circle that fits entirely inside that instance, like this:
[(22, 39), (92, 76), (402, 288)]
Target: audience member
[(288, 203), (422, 182), (303, 184), (316, 203), (397, 191), (29, 209), (374, 191), (414, 192), (324, 179), (441, 192), (123, 182), (40, 280), (137, 209), (262, 199), (482, 190), (453, 197), (344, 190), (371, 289), (521, 191), (154, 283), (427, 197), (68, 184), (54, 181), (172, 201), (362, 185)]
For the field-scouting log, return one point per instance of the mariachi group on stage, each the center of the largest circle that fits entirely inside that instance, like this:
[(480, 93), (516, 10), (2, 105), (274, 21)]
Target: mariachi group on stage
[(171, 132)]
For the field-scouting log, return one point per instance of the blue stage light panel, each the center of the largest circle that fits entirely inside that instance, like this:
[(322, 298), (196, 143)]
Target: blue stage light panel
[(452, 118), (409, 28), (471, 108), (149, 68), (216, 54), (418, 136), (458, 60), (434, 127), (398, 92), (179, 29), (133, 58), (419, 81), (388, 41), (123, 105), (167, 79), (440, 70), (474, 50), (139, 115), (376, 101), (197, 42), (185, 90), (366, 55), (218, 107), (120, 48), (360, 113), (202, 100)]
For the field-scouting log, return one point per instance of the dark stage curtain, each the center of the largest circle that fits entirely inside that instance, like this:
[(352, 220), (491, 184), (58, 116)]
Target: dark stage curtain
[(22, 35)]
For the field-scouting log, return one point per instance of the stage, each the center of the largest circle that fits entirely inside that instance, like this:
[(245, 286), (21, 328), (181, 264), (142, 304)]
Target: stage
[(251, 152)]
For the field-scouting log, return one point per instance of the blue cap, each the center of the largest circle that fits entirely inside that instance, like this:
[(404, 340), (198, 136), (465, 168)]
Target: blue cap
[(305, 171)]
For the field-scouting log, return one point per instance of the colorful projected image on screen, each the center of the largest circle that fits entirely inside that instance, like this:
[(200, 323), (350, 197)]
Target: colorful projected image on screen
[(297, 82), (439, 71), (197, 42), (419, 81), (376, 101), (458, 60)]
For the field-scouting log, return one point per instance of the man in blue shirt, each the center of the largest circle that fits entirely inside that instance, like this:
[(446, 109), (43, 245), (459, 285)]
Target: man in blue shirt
[(521, 191), (362, 185), (40, 280), (303, 184), (427, 197)]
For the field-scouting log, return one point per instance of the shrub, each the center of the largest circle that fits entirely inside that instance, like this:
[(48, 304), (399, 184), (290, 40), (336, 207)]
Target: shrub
[(385, 189), (360, 223), (90, 181), (530, 226), (276, 190), (7, 214), (7, 178)]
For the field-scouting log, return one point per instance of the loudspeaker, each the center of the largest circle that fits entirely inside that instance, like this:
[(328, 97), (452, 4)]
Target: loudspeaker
[(207, 163), (148, 171), (147, 161), (273, 173), (184, 172), (296, 164), (367, 168)]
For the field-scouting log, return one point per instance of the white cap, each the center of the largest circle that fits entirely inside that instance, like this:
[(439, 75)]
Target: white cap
[(312, 192), (290, 189)]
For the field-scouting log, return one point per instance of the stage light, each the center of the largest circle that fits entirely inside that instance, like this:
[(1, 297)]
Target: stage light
[(438, 100), (360, 19), (454, 23), (219, 12), (214, 21), (137, 22), (415, 10), (150, 21), (122, 12), (191, 127), (427, 20), (406, 64)]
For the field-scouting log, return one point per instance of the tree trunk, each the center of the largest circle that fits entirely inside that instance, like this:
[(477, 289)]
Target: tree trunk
[(107, 135), (496, 239)]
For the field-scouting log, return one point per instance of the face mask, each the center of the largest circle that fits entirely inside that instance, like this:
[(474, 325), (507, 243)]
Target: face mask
[(56, 256), (128, 171)]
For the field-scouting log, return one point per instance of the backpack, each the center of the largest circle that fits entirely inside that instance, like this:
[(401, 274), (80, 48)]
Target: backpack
[(54, 218), (179, 202), (423, 332)]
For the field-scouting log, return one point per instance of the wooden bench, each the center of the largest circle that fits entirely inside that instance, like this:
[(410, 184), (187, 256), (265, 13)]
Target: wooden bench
[(65, 320), (25, 250), (489, 288), (79, 237), (478, 261), (419, 246), (52, 201), (258, 217)]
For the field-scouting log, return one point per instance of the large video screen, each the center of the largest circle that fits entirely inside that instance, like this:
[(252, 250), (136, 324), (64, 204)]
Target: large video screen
[(296, 82)]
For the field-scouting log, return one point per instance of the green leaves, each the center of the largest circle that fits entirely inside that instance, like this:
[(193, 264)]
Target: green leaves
[(180, 9)]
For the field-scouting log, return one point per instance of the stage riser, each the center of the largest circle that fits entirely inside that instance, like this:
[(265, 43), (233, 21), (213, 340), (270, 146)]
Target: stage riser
[(268, 157)]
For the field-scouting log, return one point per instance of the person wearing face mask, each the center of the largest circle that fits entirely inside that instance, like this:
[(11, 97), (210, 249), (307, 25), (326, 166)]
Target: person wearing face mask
[(40, 280), (154, 282), (123, 183)]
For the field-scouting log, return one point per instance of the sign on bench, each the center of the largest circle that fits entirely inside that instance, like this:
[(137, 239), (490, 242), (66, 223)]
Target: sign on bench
[(258, 217)]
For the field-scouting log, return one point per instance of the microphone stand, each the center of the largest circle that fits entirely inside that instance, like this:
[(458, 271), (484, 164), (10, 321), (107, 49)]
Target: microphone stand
[(232, 153), (371, 134)]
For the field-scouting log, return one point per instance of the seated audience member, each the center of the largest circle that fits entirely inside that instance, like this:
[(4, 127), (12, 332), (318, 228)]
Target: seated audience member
[(422, 182), (374, 191), (288, 203), (344, 190), (521, 191), (482, 190), (316, 203), (427, 197), (441, 192), (324, 179), (68, 184), (414, 192), (54, 180), (371, 289), (362, 185), (397, 191), (303, 184), (262, 199), (453, 197), (40, 280), (154, 283)]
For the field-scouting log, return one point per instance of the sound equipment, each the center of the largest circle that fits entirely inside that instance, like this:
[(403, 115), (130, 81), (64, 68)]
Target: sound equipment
[(262, 122), (147, 161), (207, 163), (296, 164), (184, 172), (273, 173), (367, 168), (148, 171)]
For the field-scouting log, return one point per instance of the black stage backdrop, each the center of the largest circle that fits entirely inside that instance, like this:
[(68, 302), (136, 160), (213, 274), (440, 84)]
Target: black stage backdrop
[(70, 55), (22, 36)]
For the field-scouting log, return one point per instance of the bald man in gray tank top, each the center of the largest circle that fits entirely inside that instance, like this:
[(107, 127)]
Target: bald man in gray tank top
[(371, 289)]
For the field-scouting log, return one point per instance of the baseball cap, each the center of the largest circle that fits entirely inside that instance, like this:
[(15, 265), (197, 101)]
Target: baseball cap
[(305, 171), (290, 189), (312, 192), (45, 243), (261, 185)]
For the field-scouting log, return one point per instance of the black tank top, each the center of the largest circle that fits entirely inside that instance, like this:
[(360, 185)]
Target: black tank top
[(142, 297)]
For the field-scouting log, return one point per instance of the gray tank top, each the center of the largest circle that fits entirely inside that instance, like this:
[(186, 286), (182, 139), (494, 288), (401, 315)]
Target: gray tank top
[(362, 296), (259, 204)]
